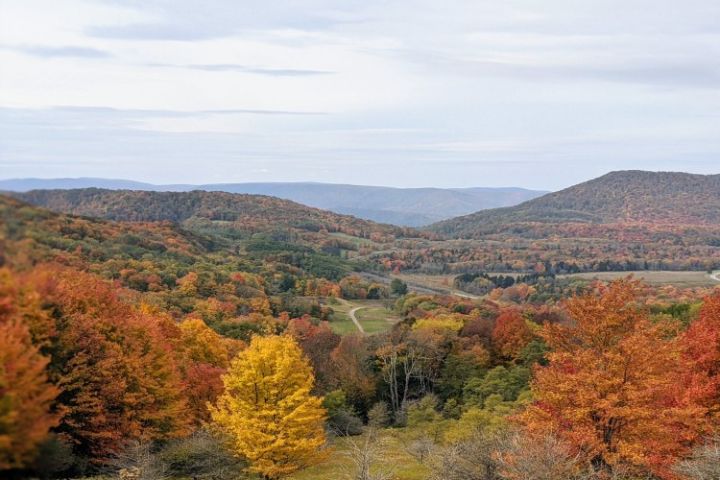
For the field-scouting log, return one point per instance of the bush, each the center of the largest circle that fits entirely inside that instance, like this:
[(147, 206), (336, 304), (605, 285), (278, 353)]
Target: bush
[(379, 415), (201, 456)]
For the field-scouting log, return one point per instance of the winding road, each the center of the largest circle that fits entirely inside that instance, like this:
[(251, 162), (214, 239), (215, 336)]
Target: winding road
[(352, 316)]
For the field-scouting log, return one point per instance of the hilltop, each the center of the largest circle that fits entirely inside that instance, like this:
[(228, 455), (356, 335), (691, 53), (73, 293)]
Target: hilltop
[(400, 206), (254, 213), (623, 197)]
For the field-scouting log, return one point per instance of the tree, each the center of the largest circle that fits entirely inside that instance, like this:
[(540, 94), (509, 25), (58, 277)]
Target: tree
[(702, 349), (704, 463), (117, 374), (267, 409), (368, 458), (25, 396), (352, 372), (609, 388), (532, 457), (317, 342), (511, 334), (398, 287)]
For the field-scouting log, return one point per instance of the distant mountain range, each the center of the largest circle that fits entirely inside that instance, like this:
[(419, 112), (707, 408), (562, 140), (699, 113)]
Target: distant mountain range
[(412, 207), (260, 213), (623, 197)]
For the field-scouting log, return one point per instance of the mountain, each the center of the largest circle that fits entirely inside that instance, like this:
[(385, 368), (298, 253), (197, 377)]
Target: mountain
[(623, 197), (253, 213), (27, 184), (118, 231), (400, 206)]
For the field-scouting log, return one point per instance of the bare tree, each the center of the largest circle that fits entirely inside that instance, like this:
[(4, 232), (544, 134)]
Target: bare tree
[(367, 455), (539, 457), (403, 362), (704, 463), (138, 462), (472, 459)]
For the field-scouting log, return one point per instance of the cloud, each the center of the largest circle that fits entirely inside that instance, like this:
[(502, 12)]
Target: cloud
[(230, 67), (139, 113), (189, 20), (59, 52)]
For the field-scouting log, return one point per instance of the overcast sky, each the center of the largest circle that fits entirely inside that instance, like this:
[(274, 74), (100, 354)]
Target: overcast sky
[(531, 93)]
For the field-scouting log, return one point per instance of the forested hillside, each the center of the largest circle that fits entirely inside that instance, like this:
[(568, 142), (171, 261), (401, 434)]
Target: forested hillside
[(248, 212), (142, 350), (629, 197), (401, 206)]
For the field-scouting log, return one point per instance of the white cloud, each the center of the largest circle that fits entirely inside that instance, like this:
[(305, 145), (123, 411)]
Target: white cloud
[(461, 89)]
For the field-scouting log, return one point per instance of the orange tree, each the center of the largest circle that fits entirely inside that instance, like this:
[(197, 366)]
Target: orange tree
[(610, 388)]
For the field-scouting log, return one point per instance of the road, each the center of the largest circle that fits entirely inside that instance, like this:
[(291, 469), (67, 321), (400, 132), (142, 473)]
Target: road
[(715, 275), (352, 316)]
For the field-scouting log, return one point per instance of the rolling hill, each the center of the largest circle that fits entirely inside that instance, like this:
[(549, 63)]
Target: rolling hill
[(400, 206), (251, 212), (623, 197)]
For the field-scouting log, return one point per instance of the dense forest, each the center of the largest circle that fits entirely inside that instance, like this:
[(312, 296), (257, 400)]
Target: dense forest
[(624, 197), (207, 347), (525, 242)]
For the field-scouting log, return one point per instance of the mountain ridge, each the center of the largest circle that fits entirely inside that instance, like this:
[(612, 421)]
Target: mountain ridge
[(619, 197), (413, 207)]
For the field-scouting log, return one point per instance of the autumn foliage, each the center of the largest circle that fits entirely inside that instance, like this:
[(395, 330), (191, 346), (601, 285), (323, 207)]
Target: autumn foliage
[(26, 396), (610, 389), (267, 408), (511, 333)]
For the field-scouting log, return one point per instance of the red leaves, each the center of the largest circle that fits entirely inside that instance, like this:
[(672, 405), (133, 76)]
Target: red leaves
[(511, 333)]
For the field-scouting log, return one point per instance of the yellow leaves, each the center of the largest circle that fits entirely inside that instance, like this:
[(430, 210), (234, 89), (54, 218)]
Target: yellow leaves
[(267, 409), (451, 322), (202, 344)]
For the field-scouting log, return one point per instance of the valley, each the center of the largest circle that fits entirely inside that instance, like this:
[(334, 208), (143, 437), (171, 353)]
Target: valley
[(407, 347)]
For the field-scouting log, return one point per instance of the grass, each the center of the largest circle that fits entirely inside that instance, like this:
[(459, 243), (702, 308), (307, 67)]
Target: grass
[(376, 318), (438, 282), (340, 321), (679, 279), (360, 242), (373, 316), (339, 466)]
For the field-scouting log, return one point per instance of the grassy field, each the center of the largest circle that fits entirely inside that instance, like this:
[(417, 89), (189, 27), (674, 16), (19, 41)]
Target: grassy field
[(679, 279), (439, 282), (376, 318), (373, 316), (339, 466)]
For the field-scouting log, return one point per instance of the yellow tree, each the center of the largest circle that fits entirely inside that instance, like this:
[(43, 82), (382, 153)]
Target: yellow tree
[(267, 409)]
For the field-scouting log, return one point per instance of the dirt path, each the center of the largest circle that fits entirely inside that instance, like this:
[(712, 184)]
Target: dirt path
[(352, 316)]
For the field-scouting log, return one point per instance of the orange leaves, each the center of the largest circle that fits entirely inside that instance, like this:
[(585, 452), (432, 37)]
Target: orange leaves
[(702, 349), (511, 333), (610, 386), (26, 395), (115, 369)]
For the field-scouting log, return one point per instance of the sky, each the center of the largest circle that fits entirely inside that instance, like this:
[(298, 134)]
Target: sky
[(454, 93)]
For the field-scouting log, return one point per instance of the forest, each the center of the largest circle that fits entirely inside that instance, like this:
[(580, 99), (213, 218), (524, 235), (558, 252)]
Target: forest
[(192, 341)]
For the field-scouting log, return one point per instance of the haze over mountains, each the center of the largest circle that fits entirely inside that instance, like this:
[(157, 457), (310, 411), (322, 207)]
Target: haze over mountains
[(399, 206), (628, 197)]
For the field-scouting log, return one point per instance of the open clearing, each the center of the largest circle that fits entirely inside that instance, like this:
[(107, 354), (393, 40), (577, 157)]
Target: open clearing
[(679, 279), (340, 467), (370, 314), (440, 284)]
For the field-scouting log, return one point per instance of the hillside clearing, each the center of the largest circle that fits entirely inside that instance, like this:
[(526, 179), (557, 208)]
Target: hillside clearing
[(678, 279), (371, 315)]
